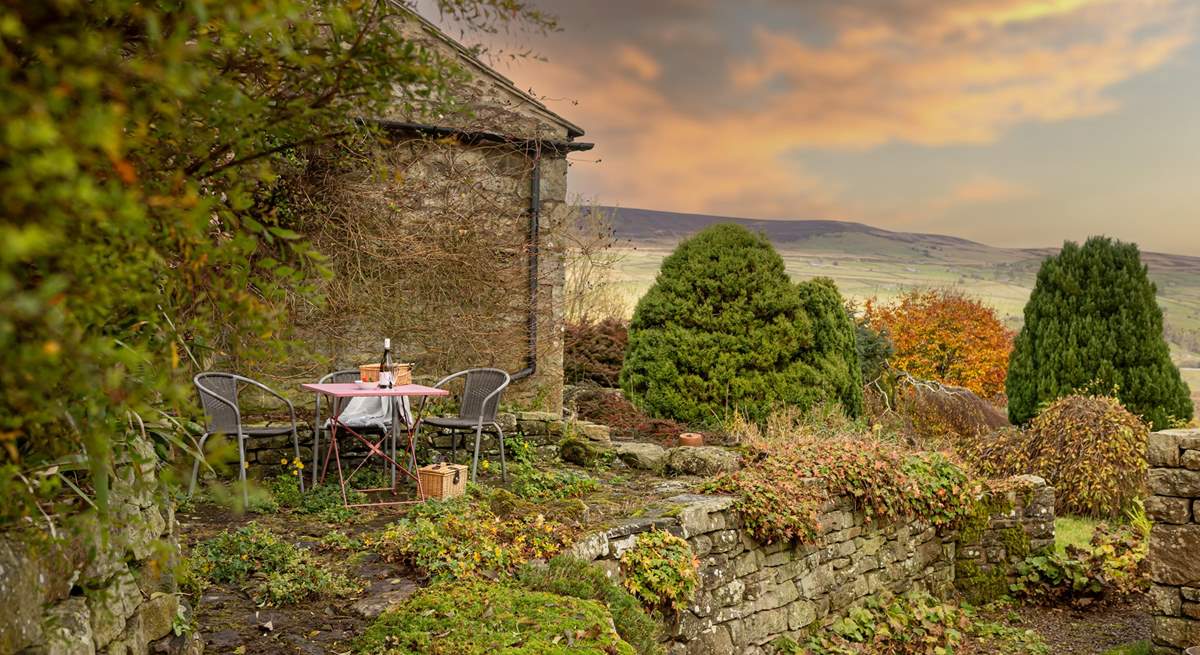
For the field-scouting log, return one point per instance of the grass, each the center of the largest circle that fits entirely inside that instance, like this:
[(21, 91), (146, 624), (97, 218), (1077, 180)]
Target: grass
[(1075, 530), (1136, 648)]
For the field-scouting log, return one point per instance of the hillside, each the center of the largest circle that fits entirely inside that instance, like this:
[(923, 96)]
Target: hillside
[(868, 261)]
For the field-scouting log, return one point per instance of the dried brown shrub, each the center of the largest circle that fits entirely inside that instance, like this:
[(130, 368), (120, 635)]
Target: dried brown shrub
[(594, 352), (609, 407), (1090, 448), (931, 414)]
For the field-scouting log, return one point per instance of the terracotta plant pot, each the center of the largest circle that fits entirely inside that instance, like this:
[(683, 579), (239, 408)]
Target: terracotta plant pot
[(691, 439)]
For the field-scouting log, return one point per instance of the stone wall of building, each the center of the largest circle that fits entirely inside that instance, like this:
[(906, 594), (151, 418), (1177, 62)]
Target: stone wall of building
[(753, 593), (1174, 458), (98, 588)]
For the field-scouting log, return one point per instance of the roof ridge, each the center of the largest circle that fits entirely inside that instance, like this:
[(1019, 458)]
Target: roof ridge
[(573, 130)]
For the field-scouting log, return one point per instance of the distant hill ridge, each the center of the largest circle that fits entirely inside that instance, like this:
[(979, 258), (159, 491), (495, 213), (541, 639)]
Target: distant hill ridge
[(656, 227)]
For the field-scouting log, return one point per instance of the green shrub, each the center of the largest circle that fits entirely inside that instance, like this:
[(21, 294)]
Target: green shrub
[(723, 328), (283, 573), (485, 618), (1088, 447), (568, 576), (1092, 324), (594, 352), (661, 569)]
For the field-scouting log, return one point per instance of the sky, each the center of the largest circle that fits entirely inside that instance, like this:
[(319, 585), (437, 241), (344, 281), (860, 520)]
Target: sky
[(1011, 122)]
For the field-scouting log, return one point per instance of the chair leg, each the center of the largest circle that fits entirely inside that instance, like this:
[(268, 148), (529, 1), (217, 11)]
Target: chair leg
[(196, 466), (475, 462), (316, 453), (503, 468), (242, 470), (453, 447), (296, 447)]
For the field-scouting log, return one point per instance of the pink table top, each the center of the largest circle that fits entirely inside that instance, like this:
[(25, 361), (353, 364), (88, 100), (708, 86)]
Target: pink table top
[(352, 390)]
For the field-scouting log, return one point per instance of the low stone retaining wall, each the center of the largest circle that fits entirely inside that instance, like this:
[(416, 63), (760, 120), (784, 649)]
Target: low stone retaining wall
[(753, 593), (1016, 518), (1174, 458), (98, 589)]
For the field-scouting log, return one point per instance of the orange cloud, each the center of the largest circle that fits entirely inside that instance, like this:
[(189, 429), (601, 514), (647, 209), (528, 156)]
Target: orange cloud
[(941, 72)]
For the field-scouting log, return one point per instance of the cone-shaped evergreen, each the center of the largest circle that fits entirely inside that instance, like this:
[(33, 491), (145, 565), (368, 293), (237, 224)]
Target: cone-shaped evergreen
[(723, 329), (1092, 323)]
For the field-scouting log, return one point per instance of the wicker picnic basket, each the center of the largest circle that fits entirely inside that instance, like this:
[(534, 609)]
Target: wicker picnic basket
[(442, 480), (401, 373)]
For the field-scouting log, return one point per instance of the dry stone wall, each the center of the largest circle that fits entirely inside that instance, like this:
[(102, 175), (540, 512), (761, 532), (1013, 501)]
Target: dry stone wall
[(97, 588), (1174, 458), (752, 593)]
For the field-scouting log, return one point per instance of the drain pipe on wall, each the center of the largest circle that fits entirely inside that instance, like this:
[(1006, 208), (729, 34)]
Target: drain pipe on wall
[(535, 215)]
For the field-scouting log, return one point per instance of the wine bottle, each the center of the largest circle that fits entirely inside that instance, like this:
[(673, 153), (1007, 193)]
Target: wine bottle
[(385, 365)]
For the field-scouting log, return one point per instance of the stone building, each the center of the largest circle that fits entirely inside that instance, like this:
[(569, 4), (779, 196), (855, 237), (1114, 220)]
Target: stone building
[(468, 215)]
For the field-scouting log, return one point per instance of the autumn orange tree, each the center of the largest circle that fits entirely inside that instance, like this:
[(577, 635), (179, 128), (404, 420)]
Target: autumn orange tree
[(946, 336)]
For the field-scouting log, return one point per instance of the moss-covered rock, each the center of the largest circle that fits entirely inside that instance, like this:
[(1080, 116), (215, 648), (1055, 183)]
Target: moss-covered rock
[(479, 617)]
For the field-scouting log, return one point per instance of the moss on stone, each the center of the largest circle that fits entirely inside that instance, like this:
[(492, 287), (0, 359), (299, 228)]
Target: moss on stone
[(980, 585), (1015, 542)]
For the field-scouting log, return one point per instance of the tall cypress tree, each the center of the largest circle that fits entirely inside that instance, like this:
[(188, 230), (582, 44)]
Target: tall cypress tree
[(1092, 323), (724, 329)]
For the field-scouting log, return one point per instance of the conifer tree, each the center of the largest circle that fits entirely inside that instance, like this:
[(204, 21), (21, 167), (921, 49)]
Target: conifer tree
[(1092, 324), (724, 329)]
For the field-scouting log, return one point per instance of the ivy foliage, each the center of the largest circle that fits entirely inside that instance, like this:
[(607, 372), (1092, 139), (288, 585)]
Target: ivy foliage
[(724, 329), (1092, 324), (661, 569), (145, 226), (797, 470), (1112, 565), (914, 624), (281, 573)]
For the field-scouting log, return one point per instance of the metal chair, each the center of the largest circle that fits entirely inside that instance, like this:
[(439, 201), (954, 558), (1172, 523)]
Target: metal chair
[(336, 377), (477, 410), (219, 397)]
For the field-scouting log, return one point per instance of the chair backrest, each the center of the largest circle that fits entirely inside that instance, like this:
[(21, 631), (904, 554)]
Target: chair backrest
[(219, 397), (480, 383), (339, 377)]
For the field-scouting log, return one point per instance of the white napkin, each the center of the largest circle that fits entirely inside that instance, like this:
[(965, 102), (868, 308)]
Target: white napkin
[(373, 412)]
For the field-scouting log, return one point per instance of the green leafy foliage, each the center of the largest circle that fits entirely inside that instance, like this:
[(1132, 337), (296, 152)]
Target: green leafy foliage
[(798, 468), (534, 484), (1088, 447), (568, 576), (661, 569), (470, 536), (1113, 564), (324, 501), (147, 227), (913, 624), (480, 618), (1092, 323), (281, 573), (594, 351), (724, 329)]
